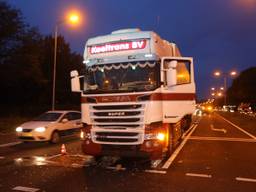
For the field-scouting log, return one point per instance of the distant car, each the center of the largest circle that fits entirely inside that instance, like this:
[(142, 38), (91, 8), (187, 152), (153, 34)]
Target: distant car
[(207, 109), (50, 126)]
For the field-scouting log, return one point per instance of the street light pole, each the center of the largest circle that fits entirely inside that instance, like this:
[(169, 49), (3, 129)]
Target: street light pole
[(225, 89), (225, 76), (73, 18), (54, 66)]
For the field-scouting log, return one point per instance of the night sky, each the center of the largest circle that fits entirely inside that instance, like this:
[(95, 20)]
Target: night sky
[(219, 34)]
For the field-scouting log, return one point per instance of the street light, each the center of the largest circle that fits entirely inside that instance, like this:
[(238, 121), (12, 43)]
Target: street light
[(217, 73), (225, 76), (72, 18)]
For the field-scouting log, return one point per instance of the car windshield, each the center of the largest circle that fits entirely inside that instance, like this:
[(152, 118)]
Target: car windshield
[(123, 77), (48, 117)]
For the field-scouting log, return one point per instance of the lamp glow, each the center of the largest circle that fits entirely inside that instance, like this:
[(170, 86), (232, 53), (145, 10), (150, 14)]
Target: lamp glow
[(217, 73), (160, 136), (73, 18)]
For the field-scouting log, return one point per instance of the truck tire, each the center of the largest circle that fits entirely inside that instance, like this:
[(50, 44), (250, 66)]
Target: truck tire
[(186, 122), (98, 158), (55, 138)]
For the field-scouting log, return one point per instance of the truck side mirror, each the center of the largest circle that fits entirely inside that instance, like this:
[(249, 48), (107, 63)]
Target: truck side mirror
[(171, 73), (75, 81)]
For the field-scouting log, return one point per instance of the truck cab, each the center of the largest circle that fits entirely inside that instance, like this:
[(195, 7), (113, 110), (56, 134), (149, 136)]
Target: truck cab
[(138, 95)]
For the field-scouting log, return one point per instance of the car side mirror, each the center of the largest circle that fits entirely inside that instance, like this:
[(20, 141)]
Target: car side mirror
[(64, 120)]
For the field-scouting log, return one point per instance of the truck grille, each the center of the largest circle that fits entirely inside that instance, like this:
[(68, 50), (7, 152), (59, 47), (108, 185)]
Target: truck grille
[(117, 124)]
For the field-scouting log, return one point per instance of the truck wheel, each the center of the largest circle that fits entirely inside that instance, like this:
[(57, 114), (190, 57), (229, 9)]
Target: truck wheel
[(55, 138), (98, 158), (186, 122)]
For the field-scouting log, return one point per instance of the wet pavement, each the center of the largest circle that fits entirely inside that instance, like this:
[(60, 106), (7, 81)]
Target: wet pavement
[(208, 159)]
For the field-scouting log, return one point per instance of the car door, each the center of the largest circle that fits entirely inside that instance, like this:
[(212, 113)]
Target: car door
[(71, 122), (75, 118)]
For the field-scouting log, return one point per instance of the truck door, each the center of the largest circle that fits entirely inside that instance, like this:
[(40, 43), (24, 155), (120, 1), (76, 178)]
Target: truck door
[(178, 89)]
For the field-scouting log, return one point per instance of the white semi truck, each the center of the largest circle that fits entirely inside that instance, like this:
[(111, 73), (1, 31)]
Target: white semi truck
[(138, 95)]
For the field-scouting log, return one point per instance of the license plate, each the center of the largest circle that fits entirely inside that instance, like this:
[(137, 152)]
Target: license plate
[(27, 134)]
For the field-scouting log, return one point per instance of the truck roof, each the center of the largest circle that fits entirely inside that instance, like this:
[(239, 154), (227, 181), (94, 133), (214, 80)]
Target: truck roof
[(119, 35), (107, 48)]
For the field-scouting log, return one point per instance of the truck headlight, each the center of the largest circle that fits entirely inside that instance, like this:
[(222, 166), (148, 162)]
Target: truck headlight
[(152, 136), (160, 136), (19, 129), (40, 129)]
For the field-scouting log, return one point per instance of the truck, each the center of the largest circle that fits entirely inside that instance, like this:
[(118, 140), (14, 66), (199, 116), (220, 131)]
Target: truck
[(137, 95)]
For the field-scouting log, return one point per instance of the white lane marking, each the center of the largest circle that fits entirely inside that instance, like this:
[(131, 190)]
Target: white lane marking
[(176, 152), (198, 175), (116, 168), (76, 165), (247, 133), (155, 163), (245, 179), (185, 134), (220, 130), (222, 139), (26, 189), (10, 144), (155, 171), (53, 156), (1, 157)]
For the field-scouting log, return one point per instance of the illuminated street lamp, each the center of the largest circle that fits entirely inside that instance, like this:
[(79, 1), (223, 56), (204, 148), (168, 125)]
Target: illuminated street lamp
[(73, 18), (225, 76), (233, 73), (217, 73)]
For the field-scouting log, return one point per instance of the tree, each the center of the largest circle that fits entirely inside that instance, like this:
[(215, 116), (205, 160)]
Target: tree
[(26, 63), (243, 88), (66, 61), (12, 29)]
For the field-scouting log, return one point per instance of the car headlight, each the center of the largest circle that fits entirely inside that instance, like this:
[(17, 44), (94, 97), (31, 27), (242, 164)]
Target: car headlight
[(40, 129), (19, 129)]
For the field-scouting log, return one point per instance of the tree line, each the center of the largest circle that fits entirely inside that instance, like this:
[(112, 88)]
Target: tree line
[(243, 88), (26, 66)]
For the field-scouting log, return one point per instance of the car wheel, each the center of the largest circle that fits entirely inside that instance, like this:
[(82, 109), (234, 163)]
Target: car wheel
[(55, 138)]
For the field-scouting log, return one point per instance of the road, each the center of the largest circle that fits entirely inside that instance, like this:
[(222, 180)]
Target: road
[(214, 156)]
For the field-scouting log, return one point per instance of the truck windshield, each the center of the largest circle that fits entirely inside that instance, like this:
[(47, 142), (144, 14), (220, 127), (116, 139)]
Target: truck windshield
[(123, 77)]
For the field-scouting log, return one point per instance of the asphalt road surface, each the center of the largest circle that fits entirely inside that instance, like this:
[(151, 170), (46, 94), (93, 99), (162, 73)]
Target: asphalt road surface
[(214, 156)]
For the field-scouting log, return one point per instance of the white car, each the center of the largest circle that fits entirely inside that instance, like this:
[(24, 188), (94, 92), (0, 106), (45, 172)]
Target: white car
[(50, 126)]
